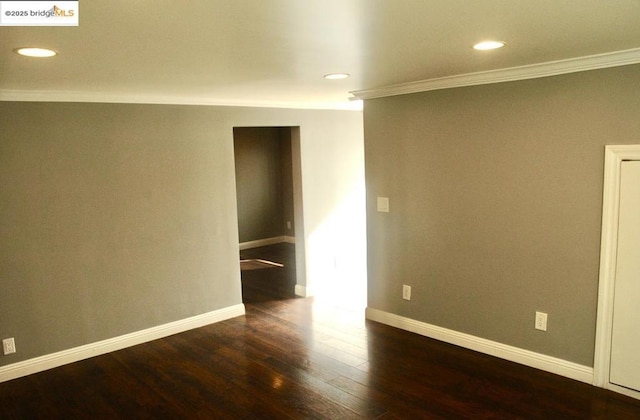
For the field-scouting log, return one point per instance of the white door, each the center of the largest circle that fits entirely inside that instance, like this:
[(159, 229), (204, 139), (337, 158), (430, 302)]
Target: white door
[(625, 340)]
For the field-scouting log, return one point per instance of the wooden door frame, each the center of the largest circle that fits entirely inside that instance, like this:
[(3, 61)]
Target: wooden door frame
[(613, 158)]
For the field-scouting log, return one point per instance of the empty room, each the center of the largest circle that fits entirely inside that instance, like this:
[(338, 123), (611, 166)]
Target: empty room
[(320, 209)]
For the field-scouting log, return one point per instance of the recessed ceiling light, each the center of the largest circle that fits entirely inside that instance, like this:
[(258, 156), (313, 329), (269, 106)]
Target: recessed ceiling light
[(488, 45), (336, 76), (35, 52)]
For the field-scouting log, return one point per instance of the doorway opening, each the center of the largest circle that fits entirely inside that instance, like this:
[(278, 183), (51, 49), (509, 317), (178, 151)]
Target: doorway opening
[(618, 286), (267, 165)]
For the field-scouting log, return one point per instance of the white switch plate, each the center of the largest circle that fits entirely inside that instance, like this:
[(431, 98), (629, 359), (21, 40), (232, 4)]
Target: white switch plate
[(383, 204), (8, 346), (406, 292), (541, 321)]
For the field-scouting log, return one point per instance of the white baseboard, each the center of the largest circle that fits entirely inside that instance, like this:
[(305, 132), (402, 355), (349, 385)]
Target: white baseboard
[(264, 242), (49, 361), (300, 291), (289, 239), (514, 354)]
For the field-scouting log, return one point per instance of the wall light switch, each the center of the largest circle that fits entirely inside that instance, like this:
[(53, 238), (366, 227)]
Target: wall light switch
[(406, 292), (383, 204)]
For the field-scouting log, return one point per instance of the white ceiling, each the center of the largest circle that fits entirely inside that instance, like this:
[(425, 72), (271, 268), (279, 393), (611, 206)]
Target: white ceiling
[(275, 52)]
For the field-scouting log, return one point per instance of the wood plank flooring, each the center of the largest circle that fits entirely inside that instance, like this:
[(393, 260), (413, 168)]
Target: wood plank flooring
[(293, 358), (270, 283)]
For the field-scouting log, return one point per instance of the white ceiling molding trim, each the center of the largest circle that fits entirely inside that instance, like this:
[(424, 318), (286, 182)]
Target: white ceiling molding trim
[(103, 97), (551, 68)]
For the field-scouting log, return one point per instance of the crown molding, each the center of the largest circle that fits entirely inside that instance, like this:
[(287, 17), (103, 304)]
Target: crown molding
[(128, 98), (533, 71)]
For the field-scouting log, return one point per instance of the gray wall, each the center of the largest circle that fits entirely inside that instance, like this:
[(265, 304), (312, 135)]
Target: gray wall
[(116, 218), (264, 183), (496, 198)]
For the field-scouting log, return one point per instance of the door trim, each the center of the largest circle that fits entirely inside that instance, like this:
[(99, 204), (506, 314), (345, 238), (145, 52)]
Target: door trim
[(613, 157)]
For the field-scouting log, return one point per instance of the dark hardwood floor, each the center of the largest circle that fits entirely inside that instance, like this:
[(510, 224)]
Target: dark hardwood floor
[(293, 358), (270, 283)]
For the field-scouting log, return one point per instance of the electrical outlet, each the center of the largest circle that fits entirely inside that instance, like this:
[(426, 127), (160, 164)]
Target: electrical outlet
[(289, 224), (8, 346), (406, 292), (541, 321)]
